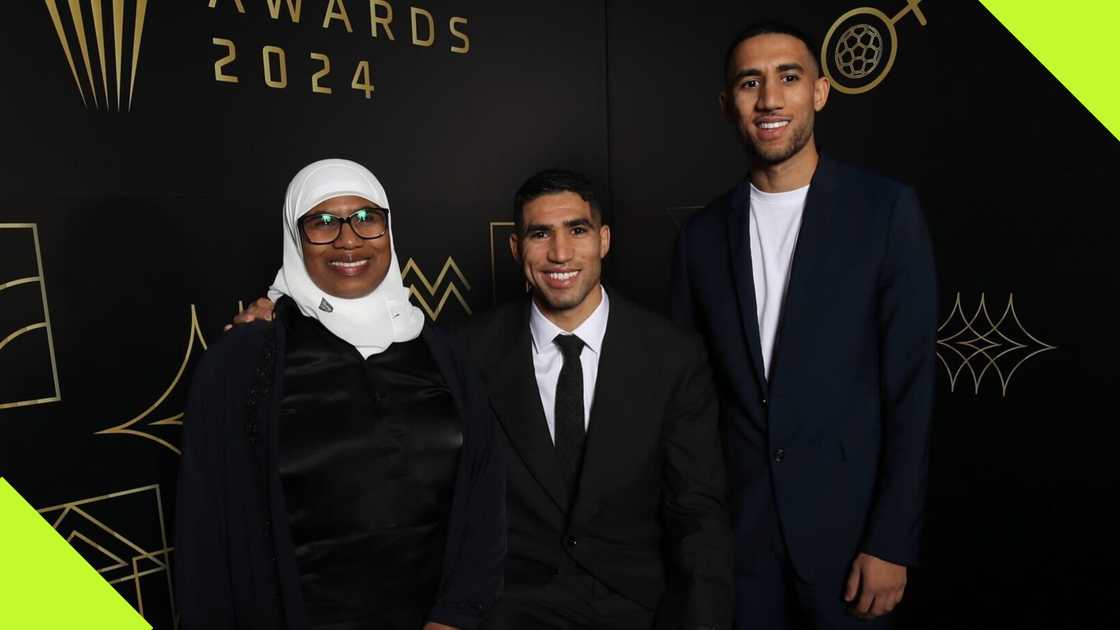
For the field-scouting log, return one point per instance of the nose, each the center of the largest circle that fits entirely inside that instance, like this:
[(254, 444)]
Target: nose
[(769, 97), (347, 238), (560, 248)]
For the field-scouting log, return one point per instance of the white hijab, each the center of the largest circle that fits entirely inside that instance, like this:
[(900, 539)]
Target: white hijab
[(369, 323)]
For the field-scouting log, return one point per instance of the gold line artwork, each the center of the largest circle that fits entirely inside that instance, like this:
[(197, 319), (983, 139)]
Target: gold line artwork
[(78, 22), (80, 30), (859, 48), (40, 278), (52, 8), (118, 42), (137, 32), (131, 427), (119, 562), (99, 31), (979, 344), (430, 287), (17, 282), (26, 329), (84, 527)]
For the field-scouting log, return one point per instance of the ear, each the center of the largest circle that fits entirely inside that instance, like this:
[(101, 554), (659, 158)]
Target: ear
[(820, 92), (515, 247), (604, 241)]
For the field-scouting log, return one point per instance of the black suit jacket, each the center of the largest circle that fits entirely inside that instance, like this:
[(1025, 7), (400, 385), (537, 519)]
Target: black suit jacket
[(651, 504), (836, 441)]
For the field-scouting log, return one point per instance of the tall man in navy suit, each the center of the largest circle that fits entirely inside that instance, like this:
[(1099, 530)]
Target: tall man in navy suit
[(813, 285)]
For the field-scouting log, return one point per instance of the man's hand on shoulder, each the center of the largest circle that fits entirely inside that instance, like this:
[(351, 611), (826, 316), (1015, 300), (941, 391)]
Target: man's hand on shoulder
[(261, 309), (875, 586)]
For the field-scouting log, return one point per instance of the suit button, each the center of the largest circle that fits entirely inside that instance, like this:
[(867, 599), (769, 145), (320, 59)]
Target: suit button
[(555, 571), (570, 541), (779, 455), (764, 401)]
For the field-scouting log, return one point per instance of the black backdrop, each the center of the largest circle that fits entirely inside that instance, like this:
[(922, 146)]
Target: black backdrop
[(128, 235)]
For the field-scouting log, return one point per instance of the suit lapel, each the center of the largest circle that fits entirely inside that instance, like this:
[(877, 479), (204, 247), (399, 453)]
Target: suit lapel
[(613, 420), (809, 254), (742, 272), (518, 404)]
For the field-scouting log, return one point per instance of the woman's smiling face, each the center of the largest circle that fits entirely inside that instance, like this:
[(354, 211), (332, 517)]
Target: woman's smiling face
[(351, 266)]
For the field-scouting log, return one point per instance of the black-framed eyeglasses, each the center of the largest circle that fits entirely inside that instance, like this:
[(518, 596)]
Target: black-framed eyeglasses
[(323, 228)]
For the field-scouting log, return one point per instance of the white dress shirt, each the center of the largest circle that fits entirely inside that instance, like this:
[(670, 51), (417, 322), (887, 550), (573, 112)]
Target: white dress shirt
[(547, 359), (775, 222)]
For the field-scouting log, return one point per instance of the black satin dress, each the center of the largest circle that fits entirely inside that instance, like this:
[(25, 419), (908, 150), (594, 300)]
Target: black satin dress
[(368, 455)]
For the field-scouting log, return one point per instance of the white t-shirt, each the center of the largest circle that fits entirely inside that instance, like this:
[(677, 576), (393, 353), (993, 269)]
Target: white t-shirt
[(775, 221)]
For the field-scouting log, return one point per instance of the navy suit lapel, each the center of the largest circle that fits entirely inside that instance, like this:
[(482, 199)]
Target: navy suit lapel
[(742, 271), (517, 402), (809, 254)]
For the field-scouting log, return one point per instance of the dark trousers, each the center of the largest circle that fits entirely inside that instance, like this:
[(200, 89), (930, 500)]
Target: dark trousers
[(774, 598), (566, 602)]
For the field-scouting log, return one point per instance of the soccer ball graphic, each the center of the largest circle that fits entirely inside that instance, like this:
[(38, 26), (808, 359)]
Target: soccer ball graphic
[(859, 51)]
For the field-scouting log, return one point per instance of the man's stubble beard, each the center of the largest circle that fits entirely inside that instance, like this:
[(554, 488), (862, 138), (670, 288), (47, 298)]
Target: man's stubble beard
[(797, 142), (566, 305)]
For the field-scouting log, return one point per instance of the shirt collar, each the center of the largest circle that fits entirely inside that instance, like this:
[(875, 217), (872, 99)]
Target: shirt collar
[(591, 331)]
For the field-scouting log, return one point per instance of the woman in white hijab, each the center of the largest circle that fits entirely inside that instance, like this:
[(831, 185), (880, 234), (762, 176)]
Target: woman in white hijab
[(339, 462)]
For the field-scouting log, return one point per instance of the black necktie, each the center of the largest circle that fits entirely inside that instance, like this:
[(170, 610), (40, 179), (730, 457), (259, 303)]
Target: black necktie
[(569, 410)]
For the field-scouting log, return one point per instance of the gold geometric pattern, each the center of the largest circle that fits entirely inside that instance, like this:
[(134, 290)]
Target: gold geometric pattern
[(138, 426), (97, 15), (412, 268), (980, 345), (7, 337), (125, 554)]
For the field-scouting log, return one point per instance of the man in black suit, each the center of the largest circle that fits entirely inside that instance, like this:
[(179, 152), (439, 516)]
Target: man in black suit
[(813, 285), (617, 504)]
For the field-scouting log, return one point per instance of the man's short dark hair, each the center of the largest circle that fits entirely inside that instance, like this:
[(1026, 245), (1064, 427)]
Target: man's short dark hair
[(553, 181), (768, 28)]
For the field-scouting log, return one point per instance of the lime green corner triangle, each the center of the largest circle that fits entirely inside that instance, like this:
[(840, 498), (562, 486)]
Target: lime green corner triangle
[(1077, 42), (45, 584)]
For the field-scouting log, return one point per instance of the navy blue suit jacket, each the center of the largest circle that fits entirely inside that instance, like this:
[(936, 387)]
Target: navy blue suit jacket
[(835, 444)]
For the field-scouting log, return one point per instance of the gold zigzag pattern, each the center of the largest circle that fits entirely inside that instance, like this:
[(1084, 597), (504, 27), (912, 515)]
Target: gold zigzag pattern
[(449, 265)]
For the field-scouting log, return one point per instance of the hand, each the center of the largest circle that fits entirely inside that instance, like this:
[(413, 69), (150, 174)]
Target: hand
[(877, 583), (261, 309), (431, 625)]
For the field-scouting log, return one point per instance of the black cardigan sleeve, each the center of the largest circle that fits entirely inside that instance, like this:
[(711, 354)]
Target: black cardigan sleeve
[(201, 546), (476, 552), (213, 549)]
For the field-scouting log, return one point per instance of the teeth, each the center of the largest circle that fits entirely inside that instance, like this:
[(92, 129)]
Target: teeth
[(562, 276), (774, 125), (349, 265)]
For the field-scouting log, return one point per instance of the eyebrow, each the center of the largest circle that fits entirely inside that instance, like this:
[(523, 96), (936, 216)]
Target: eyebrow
[(536, 227), (343, 214), (755, 72), (746, 72)]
